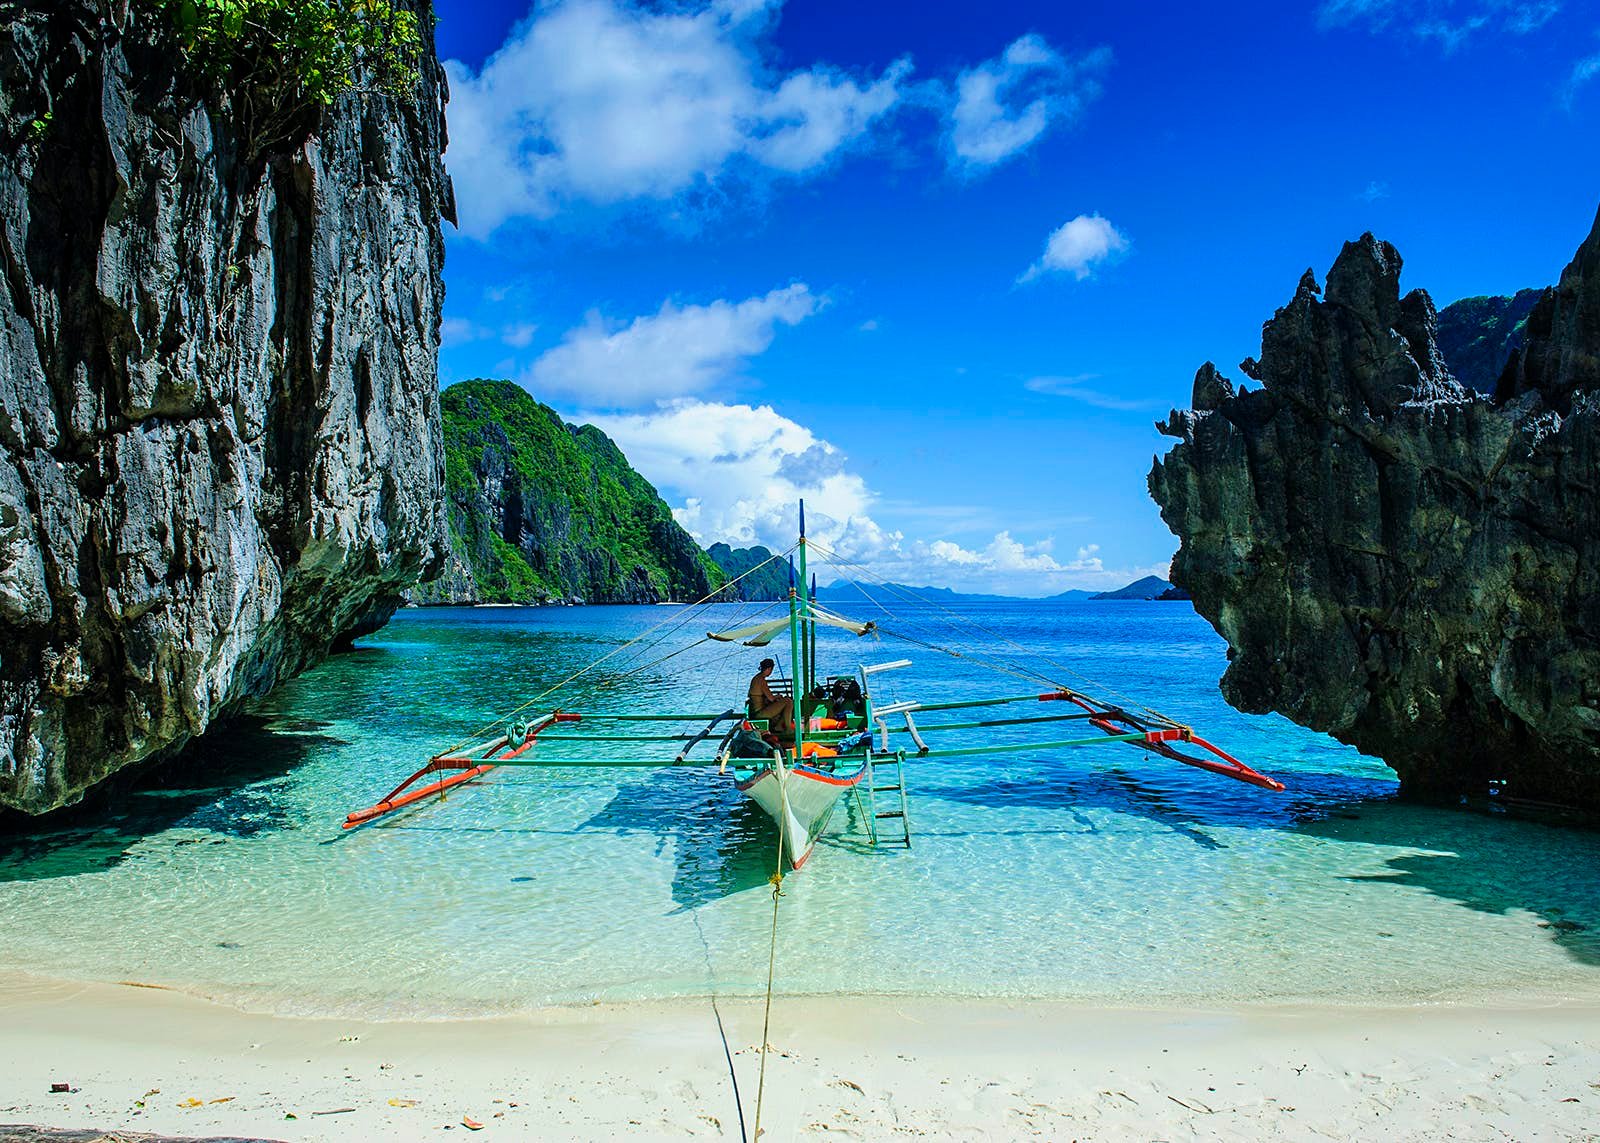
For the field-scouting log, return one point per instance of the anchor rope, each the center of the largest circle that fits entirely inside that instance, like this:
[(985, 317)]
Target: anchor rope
[(772, 952)]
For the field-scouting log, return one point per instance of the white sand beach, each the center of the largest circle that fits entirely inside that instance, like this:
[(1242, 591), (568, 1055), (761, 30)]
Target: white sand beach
[(152, 1060)]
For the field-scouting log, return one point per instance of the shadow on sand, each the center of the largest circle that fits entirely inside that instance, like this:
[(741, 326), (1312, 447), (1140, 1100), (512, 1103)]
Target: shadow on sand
[(228, 783)]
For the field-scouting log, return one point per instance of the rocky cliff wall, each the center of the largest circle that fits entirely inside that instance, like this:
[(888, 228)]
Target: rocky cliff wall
[(1397, 560), (219, 444)]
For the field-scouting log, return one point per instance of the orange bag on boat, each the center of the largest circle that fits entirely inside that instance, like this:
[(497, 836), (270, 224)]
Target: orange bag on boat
[(817, 750), (818, 722)]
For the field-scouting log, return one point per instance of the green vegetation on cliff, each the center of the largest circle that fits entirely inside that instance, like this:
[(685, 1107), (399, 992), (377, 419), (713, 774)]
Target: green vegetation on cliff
[(278, 62), (1477, 336), (542, 510)]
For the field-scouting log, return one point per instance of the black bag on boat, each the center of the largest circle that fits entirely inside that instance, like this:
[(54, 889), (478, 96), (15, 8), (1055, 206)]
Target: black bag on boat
[(748, 744), (844, 698)]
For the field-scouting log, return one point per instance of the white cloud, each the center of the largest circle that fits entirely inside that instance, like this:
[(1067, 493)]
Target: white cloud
[(1450, 22), (738, 471), (1004, 554), (1076, 389), (1077, 247), (604, 101), (460, 331), (1005, 105), (1375, 190), (675, 352), (735, 473), (519, 335), (1584, 71)]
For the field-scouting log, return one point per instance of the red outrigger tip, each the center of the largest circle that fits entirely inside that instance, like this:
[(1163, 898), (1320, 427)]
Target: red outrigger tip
[(1156, 741), (500, 750)]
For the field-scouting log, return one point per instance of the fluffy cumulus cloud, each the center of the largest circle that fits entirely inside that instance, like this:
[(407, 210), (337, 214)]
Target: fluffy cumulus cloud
[(1078, 247), (677, 351), (1449, 22), (737, 470), (1005, 105), (1008, 566), (603, 101)]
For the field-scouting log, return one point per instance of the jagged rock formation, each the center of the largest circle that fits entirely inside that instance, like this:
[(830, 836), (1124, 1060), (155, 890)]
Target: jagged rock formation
[(219, 448), (1477, 336), (1402, 562), (544, 511)]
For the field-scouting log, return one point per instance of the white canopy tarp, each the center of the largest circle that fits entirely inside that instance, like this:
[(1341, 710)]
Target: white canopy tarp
[(760, 634)]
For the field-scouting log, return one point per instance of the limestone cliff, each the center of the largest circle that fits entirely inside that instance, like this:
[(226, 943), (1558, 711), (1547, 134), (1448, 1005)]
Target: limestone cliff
[(544, 511), (219, 447), (1393, 558)]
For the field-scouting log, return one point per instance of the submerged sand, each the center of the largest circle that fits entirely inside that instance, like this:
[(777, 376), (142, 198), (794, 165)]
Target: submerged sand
[(152, 1060)]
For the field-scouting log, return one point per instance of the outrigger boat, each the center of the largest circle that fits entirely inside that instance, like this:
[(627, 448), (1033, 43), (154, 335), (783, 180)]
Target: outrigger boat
[(848, 740)]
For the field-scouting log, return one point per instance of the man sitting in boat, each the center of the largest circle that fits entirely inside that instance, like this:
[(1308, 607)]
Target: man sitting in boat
[(779, 712)]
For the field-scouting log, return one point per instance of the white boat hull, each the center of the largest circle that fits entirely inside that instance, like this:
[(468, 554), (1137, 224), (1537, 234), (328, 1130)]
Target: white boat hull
[(800, 800)]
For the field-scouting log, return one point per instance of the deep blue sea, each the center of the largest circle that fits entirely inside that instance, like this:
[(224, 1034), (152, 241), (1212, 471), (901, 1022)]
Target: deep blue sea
[(1099, 873)]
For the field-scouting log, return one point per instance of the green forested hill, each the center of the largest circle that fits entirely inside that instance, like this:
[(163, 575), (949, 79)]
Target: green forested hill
[(541, 510), (1478, 335), (771, 582)]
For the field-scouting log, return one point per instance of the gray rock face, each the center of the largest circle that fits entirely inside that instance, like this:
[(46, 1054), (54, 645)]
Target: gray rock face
[(219, 440), (1393, 558)]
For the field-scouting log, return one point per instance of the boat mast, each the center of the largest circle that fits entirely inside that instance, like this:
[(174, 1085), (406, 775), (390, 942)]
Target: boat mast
[(796, 656), (811, 645)]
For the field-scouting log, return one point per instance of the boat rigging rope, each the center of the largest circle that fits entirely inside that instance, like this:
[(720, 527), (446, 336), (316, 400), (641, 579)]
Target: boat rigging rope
[(1012, 668), (671, 619), (1127, 699)]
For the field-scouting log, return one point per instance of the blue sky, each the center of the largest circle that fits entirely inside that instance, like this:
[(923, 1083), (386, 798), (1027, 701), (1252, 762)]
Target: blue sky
[(938, 267)]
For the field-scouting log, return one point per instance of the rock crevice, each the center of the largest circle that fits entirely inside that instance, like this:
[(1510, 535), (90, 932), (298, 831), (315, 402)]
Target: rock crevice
[(1394, 558)]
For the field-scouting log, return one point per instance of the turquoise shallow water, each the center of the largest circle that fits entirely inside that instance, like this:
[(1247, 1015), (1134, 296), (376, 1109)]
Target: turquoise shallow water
[(1098, 874)]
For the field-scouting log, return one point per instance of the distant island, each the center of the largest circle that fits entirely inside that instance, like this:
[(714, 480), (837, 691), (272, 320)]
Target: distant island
[(772, 582)]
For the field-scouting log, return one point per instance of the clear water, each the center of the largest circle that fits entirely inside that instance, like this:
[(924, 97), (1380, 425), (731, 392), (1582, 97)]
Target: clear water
[(1098, 873)]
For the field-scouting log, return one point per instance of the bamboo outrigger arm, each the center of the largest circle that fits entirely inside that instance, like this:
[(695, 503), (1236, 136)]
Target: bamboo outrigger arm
[(497, 752)]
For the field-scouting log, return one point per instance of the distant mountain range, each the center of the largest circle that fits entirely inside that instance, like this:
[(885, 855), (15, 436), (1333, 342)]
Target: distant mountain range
[(772, 582), (846, 591)]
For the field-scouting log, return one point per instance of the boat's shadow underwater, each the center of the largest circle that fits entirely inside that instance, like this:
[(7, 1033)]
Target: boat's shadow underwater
[(721, 843), (229, 783), (1187, 805), (1497, 863)]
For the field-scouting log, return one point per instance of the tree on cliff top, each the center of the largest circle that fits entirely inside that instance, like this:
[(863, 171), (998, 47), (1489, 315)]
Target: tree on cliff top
[(279, 62)]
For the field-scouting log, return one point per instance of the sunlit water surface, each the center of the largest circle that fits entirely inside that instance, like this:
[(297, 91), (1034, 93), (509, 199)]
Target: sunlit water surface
[(1099, 874)]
